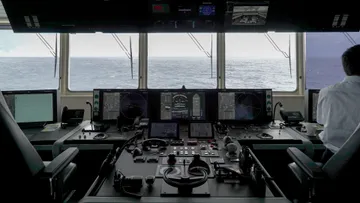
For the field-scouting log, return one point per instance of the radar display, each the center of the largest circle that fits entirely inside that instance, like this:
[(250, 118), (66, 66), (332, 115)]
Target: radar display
[(182, 105), (133, 105), (111, 105), (239, 106), (248, 106)]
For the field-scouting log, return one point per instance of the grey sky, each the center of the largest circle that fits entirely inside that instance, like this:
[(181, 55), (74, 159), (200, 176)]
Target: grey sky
[(254, 45)]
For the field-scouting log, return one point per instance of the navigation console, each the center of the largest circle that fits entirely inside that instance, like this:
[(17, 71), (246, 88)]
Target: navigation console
[(109, 104), (176, 161), (245, 105)]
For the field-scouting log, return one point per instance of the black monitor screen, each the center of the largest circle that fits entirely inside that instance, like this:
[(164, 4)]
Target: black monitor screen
[(182, 105), (311, 100), (245, 105), (128, 104), (32, 106), (164, 130)]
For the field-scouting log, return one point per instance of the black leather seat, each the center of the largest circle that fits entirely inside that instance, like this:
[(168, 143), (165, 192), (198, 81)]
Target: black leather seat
[(335, 181), (24, 176)]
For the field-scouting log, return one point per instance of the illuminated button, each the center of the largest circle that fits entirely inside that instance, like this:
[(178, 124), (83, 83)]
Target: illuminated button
[(212, 153), (181, 152), (186, 148), (181, 148), (186, 152), (193, 148), (174, 147), (206, 153), (192, 152)]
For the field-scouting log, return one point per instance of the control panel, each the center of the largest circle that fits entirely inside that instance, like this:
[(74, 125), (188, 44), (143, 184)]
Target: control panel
[(179, 163)]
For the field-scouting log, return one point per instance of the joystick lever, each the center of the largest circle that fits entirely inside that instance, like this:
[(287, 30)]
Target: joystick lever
[(171, 159), (197, 163)]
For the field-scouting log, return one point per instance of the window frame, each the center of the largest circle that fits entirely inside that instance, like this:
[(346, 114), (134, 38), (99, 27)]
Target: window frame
[(5, 25), (143, 65), (64, 57)]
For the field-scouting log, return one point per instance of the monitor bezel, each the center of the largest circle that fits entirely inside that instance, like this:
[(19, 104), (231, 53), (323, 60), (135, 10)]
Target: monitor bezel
[(164, 121), (54, 94), (309, 93), (101, 100), (197, 137), (183, 121), (265, 120)]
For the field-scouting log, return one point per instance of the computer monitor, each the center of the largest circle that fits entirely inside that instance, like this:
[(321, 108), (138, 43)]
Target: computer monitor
[(245, 105), (182, 105), (311, 100), (109, 104), (32, 108)]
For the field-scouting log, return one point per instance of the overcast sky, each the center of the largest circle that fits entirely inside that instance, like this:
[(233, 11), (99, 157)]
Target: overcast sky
[(254, 45)]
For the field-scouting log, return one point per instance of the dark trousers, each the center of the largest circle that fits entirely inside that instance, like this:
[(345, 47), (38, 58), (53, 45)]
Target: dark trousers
[(326, 156)]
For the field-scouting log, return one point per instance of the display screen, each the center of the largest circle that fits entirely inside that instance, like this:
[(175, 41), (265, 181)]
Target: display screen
[(249, 15), (244, 105), (164, 130), (207, 10), (201, 130), (315, 98), (31, 108), (182, 106), (160, 8), (127, 105)]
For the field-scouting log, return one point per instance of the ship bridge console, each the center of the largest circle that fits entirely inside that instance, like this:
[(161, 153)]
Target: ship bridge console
[(184, 143)]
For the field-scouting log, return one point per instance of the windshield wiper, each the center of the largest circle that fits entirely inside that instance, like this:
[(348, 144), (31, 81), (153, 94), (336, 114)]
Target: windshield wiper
[(348, 37), (52, 51), (128, 53), (201, 48), (277, 48)]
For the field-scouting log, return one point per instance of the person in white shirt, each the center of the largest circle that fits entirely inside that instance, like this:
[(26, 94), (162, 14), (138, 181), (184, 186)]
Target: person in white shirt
[(338, 106)]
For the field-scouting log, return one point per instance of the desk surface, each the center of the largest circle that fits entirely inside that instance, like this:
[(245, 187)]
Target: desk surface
[(37, 137)]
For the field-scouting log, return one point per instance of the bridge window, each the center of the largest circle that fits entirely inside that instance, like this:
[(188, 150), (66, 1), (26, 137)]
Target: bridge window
[(103, 61), (27, 61), (323, 57), (261, 60), (179, 59)]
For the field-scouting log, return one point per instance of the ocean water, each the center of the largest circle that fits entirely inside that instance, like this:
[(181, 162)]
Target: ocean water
[(87, 73)]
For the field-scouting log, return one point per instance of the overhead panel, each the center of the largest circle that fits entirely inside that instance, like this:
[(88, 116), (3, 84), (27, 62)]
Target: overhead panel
[(181, 16)]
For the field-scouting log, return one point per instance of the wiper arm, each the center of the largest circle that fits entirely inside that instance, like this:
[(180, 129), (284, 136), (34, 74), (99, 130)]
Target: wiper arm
[(349, 38), (51, 49), (126, 51), (201, 48), (277, 48)]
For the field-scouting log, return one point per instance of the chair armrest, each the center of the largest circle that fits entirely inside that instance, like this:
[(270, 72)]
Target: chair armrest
[(307, 165), (60, 162)]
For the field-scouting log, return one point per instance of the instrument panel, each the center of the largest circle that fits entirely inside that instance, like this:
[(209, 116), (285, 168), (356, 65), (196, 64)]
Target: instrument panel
[(181, 16)]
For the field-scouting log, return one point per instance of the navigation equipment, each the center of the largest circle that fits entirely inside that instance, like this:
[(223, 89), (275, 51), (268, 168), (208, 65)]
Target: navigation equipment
[(200, 130), (109, 104), (164, 130), (247, 105), (182, 105), (32, 108), (311, 100)]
